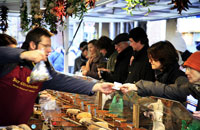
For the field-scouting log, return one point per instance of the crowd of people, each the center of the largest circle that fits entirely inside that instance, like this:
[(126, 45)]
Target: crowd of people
[(128, 59), (150, 71)]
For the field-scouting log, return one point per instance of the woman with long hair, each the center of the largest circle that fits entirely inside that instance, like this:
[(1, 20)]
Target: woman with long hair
[(94, 62)]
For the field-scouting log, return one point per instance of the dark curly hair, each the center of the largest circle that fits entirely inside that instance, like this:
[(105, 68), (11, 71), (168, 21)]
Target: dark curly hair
[(105, 42), (138, 34), (164, 52)]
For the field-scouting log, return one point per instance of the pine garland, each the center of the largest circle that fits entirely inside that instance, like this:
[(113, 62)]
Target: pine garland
[(50, 15), (24, 17)]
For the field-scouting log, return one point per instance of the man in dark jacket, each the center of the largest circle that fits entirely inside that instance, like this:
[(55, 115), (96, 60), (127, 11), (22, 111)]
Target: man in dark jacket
[(179, 91), (123, 59), (140, 67), (17, 94)]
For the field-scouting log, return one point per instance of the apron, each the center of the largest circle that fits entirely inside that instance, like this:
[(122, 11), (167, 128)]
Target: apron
[(17, 96)]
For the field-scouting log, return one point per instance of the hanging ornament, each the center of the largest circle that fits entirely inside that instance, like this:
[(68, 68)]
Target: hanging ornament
[(3, 18), (50, 15), (60, 11), (180, 5), (24, 17), (35, 13), (56, 11)]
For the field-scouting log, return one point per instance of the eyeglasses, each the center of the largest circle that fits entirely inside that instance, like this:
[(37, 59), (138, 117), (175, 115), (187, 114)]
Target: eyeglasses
[(45, 46)]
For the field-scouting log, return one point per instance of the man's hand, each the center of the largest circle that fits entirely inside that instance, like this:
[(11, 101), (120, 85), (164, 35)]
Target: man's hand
[(125, 88), (35, 56), (105, 88), (196, 114)]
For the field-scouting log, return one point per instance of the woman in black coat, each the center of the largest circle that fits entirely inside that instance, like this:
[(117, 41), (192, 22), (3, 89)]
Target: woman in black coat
[(164, 60)]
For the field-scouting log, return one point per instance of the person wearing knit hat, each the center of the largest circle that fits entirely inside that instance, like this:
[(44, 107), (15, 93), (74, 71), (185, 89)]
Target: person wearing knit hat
[(192, 65), (179, 91)]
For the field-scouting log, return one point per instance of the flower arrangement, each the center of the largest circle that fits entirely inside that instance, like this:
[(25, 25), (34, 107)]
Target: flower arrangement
[(55, 13)]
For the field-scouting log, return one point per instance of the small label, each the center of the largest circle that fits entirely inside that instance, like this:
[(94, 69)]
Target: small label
[(82, 105), (95, 112), (191, 103)]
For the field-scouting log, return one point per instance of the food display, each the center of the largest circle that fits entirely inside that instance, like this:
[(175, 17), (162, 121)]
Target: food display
[(81, 112), (76, 111)]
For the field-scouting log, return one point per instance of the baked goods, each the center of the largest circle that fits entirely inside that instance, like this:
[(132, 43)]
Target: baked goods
[(19, 127), (84, 115), (94, 127), (24, 127), (73, 111), (86, 120)]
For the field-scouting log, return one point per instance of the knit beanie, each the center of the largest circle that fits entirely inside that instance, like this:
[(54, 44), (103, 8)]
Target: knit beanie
[(194, 61)]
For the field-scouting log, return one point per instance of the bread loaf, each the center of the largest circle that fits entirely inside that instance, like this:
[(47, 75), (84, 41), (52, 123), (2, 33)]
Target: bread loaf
[(84, 115), (73, 111), (85, 120)]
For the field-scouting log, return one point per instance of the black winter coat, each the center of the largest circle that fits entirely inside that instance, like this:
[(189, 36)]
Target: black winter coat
[(170, 74), (121, 67), (140, 68)]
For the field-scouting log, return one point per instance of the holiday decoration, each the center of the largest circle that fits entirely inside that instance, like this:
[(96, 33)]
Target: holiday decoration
[(178, 4), (50, 15), (56, 11), (3, 18), (24, 17), (132, 4)]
